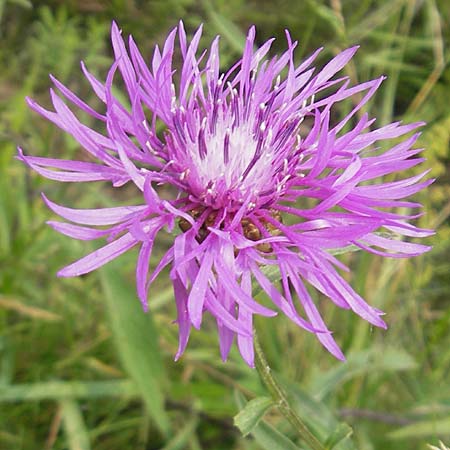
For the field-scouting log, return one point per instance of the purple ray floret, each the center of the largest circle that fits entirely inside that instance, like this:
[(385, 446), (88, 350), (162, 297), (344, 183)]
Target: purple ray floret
[(262, 174)]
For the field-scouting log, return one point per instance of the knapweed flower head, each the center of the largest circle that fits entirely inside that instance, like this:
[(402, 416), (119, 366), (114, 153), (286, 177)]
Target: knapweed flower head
[(261, 173)]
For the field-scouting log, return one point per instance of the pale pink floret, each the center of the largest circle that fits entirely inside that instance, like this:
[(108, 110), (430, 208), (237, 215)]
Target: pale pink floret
[(237, 149)]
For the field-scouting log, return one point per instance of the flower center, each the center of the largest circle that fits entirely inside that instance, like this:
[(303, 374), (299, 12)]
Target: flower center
[(234, 158), (230, 164)]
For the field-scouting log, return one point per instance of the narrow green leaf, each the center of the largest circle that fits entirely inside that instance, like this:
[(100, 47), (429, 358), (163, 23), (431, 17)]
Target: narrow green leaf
[(357, 364), (341, 432), (226, 28), (374, 20), (426, 428), (253, 412), (319, 418), (265, 435), (136, 341), (74, 426), (57, 390), (326, 14), (272, 273), (182, 438), (271, 439), (24, 3)]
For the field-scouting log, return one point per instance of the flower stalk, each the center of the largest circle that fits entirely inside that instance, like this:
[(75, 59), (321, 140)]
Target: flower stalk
[(279, 397)]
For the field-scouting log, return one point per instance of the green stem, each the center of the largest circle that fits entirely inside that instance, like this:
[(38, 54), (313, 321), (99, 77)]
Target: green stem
[(280, 399)]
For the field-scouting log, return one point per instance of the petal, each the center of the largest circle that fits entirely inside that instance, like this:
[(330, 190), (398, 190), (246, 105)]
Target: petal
[(100, 216), (142, 266), (280, 301), (76, 100), (335, 65), (226, 335), (197, 294), (184, 324), (77, 232), (243, 299), (78, 171), (99, 257), (404, 249), (245, 318), (121, 55), (313, 314)]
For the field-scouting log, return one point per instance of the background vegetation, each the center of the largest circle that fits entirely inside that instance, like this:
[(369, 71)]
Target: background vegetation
[(81, 367)]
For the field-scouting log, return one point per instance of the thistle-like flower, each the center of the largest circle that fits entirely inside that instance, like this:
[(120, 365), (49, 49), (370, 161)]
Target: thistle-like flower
[(261, 174)]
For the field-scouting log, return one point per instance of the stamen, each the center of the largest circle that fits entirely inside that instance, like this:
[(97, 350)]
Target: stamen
[(226, 147), (184, 174), (179, 129), (202, 149)]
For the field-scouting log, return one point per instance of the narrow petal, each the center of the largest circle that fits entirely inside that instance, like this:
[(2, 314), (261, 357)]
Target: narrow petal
[(184, 324), (197, 295), (100, 216), (335, 65), (311, 311), (244, 300), (142, 266), (245, 343), (99, 257), (77, 232)]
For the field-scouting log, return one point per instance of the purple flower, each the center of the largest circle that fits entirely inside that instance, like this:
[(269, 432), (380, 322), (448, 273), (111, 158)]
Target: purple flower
[(261, 174)]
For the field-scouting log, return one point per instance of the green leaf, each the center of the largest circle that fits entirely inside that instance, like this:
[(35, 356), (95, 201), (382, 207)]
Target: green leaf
[(181, 439), (57, 390), (271, 439), (137, 342), (252, 413), (272, 273), (327, 15), (225, 27), (426, 428), (265, 435), (74, 426), (361, 363), (24, 3), (341, 433), (319, 418)]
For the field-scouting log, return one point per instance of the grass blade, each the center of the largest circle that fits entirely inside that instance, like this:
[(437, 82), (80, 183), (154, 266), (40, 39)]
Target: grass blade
[(136, 341), (76, 432), (247, 418), (182, 438), (265, 435), (426, 428), (57, 390)]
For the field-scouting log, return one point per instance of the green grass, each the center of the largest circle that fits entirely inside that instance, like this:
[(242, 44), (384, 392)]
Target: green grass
[(82, 368)]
